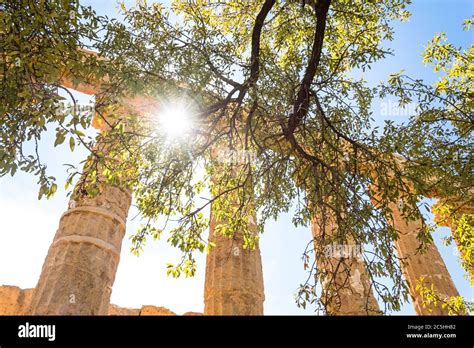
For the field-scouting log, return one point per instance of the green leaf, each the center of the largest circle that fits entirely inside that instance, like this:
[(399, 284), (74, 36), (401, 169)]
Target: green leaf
[(79, 133), (60, 137), (53, 190), (72, 143)]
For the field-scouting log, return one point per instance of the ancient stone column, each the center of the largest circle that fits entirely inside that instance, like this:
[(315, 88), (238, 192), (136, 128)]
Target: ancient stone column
[(455, 213), (346, 286), (415, 265), (80, 267), (79, 270), (234, 278)]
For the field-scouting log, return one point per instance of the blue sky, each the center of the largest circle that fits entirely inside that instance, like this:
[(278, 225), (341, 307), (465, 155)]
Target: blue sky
[(28, 225)]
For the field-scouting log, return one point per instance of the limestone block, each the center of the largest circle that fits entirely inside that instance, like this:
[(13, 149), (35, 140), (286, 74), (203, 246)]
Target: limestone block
[(193, 314), (153, 310), (116, 310)]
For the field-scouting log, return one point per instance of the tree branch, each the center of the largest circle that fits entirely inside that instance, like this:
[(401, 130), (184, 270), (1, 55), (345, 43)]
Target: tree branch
[(300, 107), (256, 33)]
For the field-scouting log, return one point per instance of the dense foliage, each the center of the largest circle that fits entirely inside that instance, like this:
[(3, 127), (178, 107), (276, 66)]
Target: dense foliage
[(270, 85)]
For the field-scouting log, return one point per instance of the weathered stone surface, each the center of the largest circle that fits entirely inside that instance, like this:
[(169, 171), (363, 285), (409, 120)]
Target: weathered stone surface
[(145, 310), (13, 300), (234, 277), (116, 310), (16, 301), (415, 265), (346, 285), (79, 270), (153, 310), (193, 314)]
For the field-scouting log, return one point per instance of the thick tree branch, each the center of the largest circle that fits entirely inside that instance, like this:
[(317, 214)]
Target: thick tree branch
[(300, 107), (255, 49), (256, 33)]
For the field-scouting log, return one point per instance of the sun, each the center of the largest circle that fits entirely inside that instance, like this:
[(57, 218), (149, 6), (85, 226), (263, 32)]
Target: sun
[(175, 120)]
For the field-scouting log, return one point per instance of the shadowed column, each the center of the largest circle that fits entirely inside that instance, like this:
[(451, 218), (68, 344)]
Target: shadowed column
[(458, 215), (346, 285), (234, 279), (415, 265), (80, 267)]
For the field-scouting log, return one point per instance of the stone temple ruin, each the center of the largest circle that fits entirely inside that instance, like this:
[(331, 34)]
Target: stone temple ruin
[(83, 258)]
